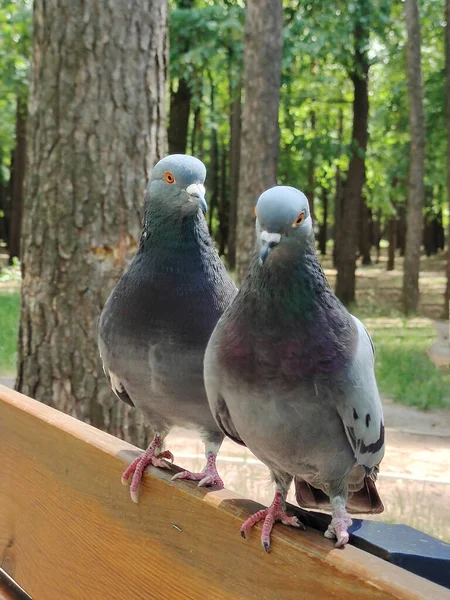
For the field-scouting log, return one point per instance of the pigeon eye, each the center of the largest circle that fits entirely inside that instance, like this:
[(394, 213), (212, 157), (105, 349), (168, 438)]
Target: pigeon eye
[(299, 220), (169, 177)]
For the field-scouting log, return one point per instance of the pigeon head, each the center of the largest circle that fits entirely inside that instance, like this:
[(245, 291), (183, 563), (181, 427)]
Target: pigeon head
[(177, 184), (282, 220)]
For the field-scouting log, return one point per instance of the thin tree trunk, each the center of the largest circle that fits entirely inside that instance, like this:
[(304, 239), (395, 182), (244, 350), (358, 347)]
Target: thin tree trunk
[(213, 175), (96, 128), (401, 232), (310, 191), (364, 240), (235, 159), (392, 239), (446, 312), (18, 173), (377, 234), (414, 218), (4, 205), (196, 150), (346, 256), (180, 107), (323, 232), (260, 131), (338, 196), (223, 202)]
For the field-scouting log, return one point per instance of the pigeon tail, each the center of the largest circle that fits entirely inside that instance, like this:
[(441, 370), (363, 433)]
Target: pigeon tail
[(364, 501)]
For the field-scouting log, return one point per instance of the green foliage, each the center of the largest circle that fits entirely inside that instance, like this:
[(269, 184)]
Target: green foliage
[(15, 49), (9, 324)]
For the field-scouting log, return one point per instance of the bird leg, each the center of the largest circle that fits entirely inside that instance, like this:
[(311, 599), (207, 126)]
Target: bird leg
[(152, 456), (339, 523), (275, 512), (209, 475)]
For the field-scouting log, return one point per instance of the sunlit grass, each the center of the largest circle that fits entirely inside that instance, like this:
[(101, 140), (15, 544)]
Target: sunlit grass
[(404, 371), (9, 323)]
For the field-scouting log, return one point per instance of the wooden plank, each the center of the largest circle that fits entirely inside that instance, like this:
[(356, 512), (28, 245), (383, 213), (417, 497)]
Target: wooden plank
[(69, 530), (10, 589)]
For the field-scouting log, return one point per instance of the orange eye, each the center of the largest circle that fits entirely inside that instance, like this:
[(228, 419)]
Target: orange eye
[(299, 220), (254, 212), (169, 177)]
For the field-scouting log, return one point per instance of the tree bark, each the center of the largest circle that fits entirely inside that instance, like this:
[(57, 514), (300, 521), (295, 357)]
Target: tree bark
[(311, 187), (338, 196), (446, 313), (18, 175), (4, 205), (260, 131), (235, 159), (401, 231), (414, 217), (364, 240), (180, 108), (196, 149), (96, 127), (392, 239), (323, 231), (351, 200), (223, 201)]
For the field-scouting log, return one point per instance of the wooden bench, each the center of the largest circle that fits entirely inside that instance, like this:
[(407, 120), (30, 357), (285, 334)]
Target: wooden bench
[(68, 530)]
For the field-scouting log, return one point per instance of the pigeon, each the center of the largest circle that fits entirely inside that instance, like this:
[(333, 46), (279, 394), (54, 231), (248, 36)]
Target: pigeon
[(289, 373), (156, 323)]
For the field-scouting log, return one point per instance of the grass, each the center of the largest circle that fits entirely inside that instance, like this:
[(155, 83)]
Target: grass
[(404, 371), (9, 323)]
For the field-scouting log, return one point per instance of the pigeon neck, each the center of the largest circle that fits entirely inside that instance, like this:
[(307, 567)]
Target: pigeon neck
[(291, 287), (173, 232)]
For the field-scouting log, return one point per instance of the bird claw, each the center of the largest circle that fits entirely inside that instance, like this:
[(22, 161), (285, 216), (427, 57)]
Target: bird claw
[(204, 479), (337, 529), (270, 515), (136, 469)]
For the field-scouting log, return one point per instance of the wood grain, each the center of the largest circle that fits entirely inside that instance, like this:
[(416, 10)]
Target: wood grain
[(69, 530)]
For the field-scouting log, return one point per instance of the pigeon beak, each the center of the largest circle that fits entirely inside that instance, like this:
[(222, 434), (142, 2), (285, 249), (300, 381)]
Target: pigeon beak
[(197, 191), (268, 241)]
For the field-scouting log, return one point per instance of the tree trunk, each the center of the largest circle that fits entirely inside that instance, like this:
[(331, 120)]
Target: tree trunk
[(260, 131), (96, 127), (414, 217), (364, 240), (196, 149), (223, 201), (235, 159), (351, 201), (180, 107), (392, 239), (323, 231), (213, 174), (18, 175), (338, 197), (401, 231), (447, 118), (311, 187), (377, 235), (4, 205)]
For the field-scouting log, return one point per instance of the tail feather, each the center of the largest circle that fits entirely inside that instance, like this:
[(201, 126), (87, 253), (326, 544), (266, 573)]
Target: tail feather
[(364, 501)]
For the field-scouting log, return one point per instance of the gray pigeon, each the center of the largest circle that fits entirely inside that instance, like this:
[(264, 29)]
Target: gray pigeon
[(289, 373), (156, 324)]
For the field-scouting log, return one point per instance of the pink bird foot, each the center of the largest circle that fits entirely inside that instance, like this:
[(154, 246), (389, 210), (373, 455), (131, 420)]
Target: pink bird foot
[(270, 515), (339, 525), (138, 466), (209, 475)]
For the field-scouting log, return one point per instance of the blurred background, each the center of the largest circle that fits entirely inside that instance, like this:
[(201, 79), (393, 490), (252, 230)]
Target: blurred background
[(348, 101)]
